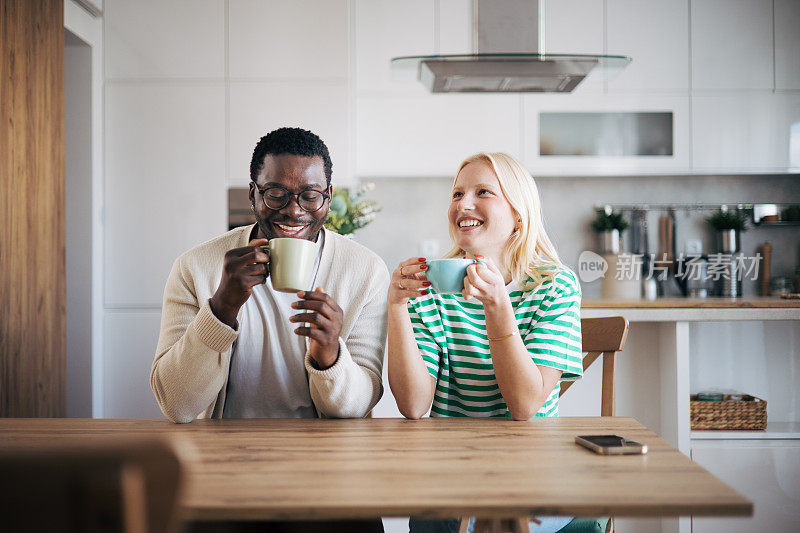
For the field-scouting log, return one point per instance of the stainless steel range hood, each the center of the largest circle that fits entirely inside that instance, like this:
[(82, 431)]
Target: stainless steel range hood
[(508, 37)]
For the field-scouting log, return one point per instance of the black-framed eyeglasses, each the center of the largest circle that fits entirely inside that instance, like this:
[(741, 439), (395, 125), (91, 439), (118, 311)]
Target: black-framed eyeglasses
[(277, 197)]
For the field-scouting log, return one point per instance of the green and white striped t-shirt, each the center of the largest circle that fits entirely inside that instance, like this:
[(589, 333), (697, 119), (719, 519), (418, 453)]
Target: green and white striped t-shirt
[(451, 336)]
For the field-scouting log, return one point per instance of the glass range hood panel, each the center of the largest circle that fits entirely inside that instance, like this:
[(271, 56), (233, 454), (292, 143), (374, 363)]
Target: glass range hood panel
[(505, 72), (603, 61)]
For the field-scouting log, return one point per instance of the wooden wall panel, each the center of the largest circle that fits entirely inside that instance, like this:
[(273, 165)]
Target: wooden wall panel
[(32, 269)]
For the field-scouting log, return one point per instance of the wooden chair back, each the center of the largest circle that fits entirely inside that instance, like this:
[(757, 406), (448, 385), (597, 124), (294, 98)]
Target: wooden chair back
[(602, 336), (90, 486)]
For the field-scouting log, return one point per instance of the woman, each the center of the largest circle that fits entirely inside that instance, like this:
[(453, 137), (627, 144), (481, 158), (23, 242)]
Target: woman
[(502, 346)]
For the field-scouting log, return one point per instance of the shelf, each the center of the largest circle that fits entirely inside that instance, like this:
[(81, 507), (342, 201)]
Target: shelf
[(774, 431), (770, 224)]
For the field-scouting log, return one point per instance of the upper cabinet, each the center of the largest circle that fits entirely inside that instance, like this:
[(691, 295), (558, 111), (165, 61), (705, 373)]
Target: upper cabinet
[(301, 39), (455, 27), (401, 129), (141, 41), (385, 29), (746, 132), (732, 44), (745, 78), (607, 134), (787, 45), (726, 72), (289, 65), (573, 27), (576, 27), (656, 36)]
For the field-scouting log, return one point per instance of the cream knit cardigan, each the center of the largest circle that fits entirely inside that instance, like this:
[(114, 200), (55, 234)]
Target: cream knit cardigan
[(190, 371)]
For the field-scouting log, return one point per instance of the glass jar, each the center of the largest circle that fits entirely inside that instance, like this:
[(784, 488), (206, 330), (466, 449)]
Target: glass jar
[(780, 285)]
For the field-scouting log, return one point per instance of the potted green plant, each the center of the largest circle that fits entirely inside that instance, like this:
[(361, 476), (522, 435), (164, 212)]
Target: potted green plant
[(350, 211), (791, 214), (728, 225), (609, 225)]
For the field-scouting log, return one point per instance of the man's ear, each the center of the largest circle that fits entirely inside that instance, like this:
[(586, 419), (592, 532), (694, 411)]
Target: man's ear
[(330, 192), (251, 194)]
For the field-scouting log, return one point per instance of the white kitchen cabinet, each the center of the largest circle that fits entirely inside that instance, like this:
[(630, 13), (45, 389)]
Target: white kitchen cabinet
[(385, 29), (731, 44), (655, 34), (429, 135), (745, 131), (574, 27), (455, 27), (258, 108), (130, 339), (164, 182), (764, 471), (787, 44), (751, 357), (679, 162), (155, 39), (289, 66), (306, 39)]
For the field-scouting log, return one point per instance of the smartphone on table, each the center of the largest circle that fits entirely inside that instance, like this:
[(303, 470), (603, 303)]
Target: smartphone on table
[(611, 445)]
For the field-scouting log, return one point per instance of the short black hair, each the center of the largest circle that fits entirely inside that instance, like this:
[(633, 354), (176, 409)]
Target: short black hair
[(294, 141)]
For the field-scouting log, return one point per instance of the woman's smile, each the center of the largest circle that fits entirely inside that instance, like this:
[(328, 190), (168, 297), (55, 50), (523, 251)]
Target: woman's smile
[(468, 223)]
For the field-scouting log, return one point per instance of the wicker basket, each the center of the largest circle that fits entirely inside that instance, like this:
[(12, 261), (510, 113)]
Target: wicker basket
[(748, 413)]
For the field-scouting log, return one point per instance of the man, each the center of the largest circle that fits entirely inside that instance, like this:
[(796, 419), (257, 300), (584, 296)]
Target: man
[(232, 347)]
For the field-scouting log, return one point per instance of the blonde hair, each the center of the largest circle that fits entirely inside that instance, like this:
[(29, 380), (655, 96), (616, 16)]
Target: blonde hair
[(529, 253)]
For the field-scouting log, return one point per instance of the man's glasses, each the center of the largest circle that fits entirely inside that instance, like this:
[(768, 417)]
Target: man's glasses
[(276, 197)]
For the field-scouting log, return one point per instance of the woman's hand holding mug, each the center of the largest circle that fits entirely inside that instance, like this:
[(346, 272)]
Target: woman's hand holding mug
[(485, 282), (408, 281)]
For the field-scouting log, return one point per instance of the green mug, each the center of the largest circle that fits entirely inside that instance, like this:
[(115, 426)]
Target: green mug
[(291, 264)]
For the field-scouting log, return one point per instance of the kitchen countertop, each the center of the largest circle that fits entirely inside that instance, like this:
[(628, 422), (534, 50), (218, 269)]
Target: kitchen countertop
[(693, 303), (694, 309)]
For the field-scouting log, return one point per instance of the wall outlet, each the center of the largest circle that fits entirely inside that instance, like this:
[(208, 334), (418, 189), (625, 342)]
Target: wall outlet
[(429, 248)]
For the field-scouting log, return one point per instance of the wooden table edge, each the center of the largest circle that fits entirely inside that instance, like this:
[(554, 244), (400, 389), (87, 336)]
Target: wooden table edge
[(744, 509)]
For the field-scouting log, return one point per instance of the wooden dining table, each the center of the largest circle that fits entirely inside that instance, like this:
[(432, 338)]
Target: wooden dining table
[(261, 469)]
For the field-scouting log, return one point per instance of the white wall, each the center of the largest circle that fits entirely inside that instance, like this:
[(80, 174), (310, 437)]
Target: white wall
[(78, 222), (84, 209)]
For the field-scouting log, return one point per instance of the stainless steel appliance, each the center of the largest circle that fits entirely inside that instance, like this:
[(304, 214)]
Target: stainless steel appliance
[(509, 56)]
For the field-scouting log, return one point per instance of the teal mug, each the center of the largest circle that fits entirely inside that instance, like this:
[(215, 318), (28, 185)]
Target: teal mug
[(447, 275)]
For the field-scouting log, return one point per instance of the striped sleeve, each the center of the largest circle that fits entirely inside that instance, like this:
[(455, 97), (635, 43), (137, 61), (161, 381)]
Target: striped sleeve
[(555, 338), (427, 326)]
